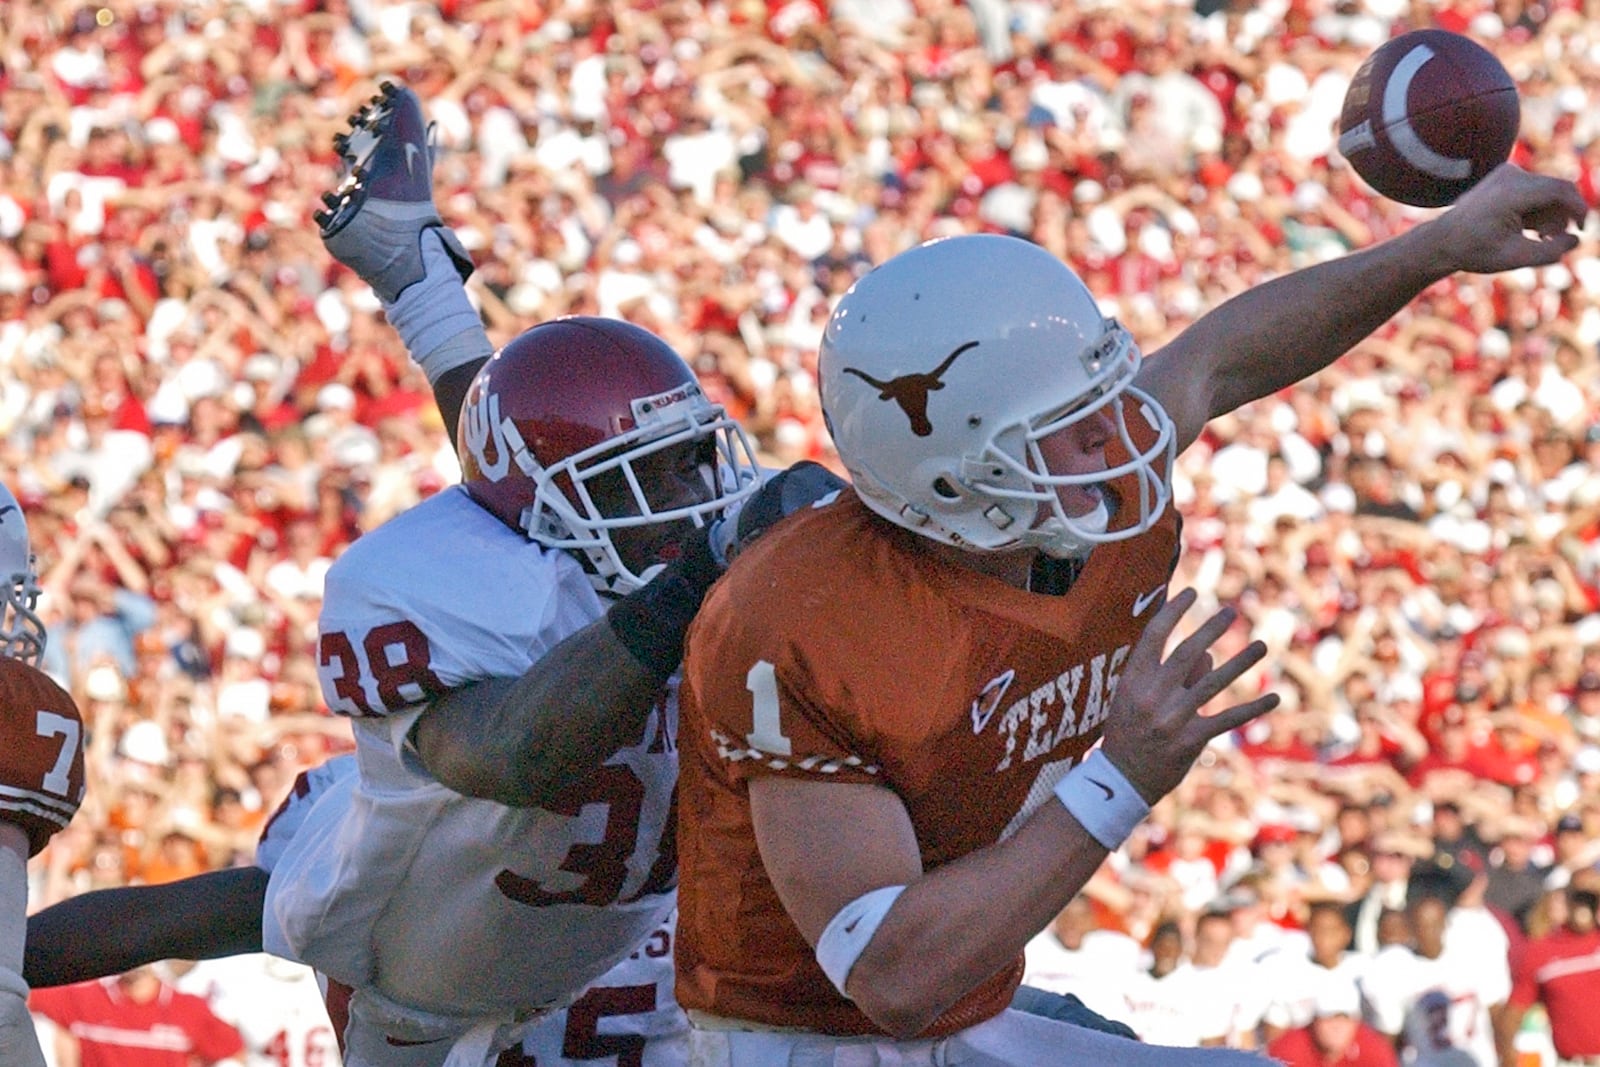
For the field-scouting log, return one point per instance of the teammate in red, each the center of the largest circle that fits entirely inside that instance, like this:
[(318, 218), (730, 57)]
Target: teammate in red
[(891, 702), (41, 770)]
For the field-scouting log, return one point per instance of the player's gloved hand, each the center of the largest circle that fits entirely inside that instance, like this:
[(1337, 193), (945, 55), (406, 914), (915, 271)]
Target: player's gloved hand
[(803, 485)]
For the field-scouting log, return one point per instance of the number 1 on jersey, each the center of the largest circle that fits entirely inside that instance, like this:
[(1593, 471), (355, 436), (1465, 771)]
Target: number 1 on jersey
[(767, 735)]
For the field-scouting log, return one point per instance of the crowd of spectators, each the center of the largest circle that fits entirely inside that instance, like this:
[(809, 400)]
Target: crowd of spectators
[(199, 408)]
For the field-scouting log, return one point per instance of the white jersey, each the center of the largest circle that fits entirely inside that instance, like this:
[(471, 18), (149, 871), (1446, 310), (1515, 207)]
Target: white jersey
[(1296, 980), (1099, 973), (1440, 1006), (445, 913), (1182, 1009), (275, 1005)]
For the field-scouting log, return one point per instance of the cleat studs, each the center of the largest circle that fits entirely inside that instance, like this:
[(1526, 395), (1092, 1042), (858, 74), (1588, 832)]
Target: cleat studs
[(330, 200)]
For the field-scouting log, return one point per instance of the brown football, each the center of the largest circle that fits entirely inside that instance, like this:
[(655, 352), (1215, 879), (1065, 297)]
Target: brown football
[(1427, 115)]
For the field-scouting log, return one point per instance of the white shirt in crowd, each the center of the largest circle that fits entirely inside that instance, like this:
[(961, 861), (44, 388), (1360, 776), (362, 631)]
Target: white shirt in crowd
[(1099, 973)]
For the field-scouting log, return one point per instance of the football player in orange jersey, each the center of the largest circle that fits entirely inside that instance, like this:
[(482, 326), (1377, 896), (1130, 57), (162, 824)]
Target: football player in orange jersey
[(41, 770), (892, 702)]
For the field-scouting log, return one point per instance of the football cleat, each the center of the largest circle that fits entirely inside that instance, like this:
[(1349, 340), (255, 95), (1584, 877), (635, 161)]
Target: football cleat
[(374, 219)]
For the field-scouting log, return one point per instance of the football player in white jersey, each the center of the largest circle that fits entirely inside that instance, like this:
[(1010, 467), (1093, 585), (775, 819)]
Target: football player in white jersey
[(506, 650), (41, 771), (1440, 998)]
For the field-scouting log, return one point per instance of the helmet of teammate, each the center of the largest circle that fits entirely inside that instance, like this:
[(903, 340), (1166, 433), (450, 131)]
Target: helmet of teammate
[(582, 431), (22, 635), (942, 371)]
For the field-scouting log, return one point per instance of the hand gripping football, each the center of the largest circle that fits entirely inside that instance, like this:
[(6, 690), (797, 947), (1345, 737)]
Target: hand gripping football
[(1427, 115)]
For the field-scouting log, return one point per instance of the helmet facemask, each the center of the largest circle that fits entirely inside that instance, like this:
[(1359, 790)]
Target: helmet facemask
[(1012, 468), (571, 496)]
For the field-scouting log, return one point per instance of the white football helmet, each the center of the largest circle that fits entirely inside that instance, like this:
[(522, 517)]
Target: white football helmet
[(943, 369), (22, 635)]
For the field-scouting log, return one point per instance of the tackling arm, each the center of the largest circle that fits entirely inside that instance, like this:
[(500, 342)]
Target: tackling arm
[(199, 918), (521, 741)]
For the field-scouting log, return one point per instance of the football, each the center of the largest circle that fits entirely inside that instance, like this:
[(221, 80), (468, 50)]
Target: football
[(1427, 115)]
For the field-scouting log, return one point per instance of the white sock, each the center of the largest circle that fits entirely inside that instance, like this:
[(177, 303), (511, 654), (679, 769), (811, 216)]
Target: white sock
[(438, 324)]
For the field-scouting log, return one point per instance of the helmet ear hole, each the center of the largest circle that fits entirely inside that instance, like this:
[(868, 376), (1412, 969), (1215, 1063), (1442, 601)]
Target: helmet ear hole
[(942, 486)]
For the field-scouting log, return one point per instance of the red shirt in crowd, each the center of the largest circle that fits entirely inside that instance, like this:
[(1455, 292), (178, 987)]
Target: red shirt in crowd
[(1369, 1049), (1562, 969), (114, 1030)]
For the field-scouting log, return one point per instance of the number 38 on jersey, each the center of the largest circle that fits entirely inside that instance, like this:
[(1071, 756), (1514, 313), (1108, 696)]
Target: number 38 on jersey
[(383, 670)]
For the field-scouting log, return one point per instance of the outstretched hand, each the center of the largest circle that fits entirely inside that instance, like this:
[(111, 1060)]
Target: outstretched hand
[(1155, 731), (1511, 219)]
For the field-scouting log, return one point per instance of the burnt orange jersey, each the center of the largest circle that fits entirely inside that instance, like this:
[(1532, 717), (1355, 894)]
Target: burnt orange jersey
[(41, 753), (842, 650)]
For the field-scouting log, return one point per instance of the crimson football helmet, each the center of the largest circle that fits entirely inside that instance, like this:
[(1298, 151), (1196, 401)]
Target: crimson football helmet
[(22, 635), (571, 433), (944, 369)]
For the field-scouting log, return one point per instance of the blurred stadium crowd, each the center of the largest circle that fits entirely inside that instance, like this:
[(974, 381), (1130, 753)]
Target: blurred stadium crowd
[(199, 408)]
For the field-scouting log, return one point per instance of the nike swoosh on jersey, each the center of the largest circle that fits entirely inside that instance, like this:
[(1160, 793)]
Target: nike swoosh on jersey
[(1108, 791), (1142, 602), (988, 701)]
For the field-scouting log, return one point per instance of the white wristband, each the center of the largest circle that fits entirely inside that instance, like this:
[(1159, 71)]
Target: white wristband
[(1101, 798), (848, 932)]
